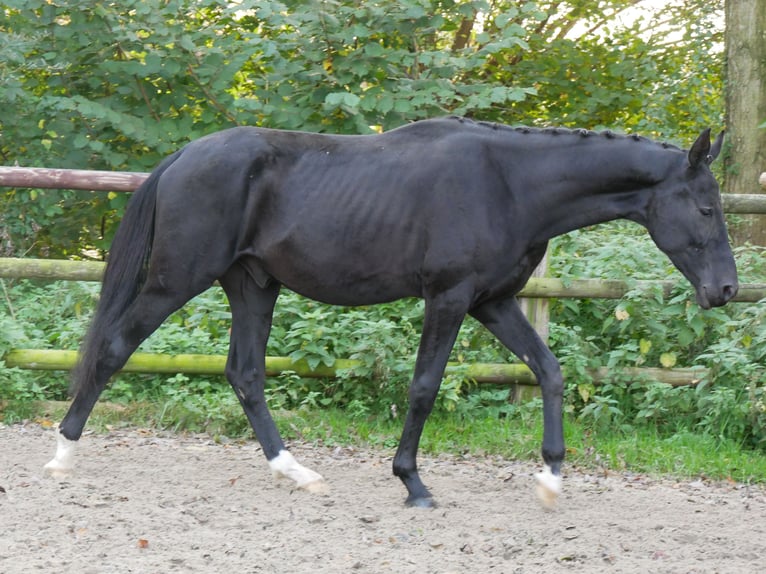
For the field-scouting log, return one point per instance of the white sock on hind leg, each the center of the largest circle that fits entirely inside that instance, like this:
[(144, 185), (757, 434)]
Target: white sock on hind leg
[(62, 464)]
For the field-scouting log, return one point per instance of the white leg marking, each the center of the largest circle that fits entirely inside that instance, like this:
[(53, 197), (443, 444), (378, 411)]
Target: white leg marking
[(548, 487), (285, 465), (63, 463)]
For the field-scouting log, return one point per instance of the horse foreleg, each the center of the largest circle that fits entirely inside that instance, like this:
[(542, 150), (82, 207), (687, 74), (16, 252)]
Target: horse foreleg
[(506, 321), (443, 317), (251, 309)]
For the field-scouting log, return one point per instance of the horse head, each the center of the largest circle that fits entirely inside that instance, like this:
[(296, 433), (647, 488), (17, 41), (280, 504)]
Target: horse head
[(685, 219)]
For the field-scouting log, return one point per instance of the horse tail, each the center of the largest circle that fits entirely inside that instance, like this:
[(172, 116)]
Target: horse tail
[(124, 276)]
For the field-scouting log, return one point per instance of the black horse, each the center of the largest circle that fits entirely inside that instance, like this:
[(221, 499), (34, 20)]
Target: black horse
[(451, 210)]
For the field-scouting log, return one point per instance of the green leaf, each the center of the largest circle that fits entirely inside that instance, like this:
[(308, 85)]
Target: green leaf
[(506, 16), (346, 100), (351, 100), (186, 43), (668, 360), (80, 140), (585, 391), (385, 103), (644, 346), (685, 336), (374, 49)]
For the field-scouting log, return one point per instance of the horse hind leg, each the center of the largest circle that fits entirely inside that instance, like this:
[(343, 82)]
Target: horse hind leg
[(252, 308), (115, 343)]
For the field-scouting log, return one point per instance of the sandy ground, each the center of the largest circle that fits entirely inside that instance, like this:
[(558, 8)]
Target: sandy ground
[(149, 502)]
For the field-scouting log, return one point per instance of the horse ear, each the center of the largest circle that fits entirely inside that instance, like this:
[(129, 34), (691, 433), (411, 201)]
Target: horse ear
[(716, 148), (700, 149)]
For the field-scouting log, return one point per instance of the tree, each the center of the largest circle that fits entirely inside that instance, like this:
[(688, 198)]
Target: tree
[(746, 107), (118, 85)]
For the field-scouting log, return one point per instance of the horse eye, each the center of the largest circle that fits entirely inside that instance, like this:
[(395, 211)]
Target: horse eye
[(706, 211)]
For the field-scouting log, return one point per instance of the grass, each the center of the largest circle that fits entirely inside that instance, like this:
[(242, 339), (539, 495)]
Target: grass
[(685, 454)]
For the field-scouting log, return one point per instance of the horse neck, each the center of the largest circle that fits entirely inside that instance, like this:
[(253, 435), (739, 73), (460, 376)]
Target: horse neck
[(591, 181)]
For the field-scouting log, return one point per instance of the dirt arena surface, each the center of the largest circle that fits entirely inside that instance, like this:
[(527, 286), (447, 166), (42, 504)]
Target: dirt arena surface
[(146, 502)]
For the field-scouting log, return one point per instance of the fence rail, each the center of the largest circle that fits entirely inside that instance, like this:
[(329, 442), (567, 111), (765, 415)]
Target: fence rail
[(88, 180), (499, 374), (538, 287)]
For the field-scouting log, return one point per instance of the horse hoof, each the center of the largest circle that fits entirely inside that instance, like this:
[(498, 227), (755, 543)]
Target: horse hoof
[(316, 487), (421, 502), (55, 470), (548, 487)]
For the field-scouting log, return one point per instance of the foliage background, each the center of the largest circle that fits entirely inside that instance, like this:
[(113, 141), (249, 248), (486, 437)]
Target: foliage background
[(118, 85), (108, 85)]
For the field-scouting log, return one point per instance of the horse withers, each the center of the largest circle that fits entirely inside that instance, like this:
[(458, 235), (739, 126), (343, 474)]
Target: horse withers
[(451, 210)]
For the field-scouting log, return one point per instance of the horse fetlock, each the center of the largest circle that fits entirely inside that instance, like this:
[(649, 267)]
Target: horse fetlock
[(62, 464), (548, 487), (553, 456), (284, 465), (403, 471)]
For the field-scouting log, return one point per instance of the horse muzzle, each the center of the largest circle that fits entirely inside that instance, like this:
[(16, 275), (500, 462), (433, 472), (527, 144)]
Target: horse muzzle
[(709, 295)]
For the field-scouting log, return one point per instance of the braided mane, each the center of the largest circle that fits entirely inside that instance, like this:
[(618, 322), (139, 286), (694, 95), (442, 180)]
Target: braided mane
[(553, 131)]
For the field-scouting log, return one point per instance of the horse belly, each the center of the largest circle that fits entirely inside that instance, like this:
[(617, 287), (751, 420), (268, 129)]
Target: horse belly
[(327, 270)]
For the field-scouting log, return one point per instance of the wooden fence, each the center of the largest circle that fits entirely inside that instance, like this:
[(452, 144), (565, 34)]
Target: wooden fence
[(537, 287)]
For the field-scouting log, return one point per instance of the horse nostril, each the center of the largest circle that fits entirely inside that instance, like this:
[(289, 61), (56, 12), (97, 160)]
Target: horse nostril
[(729, 291)]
